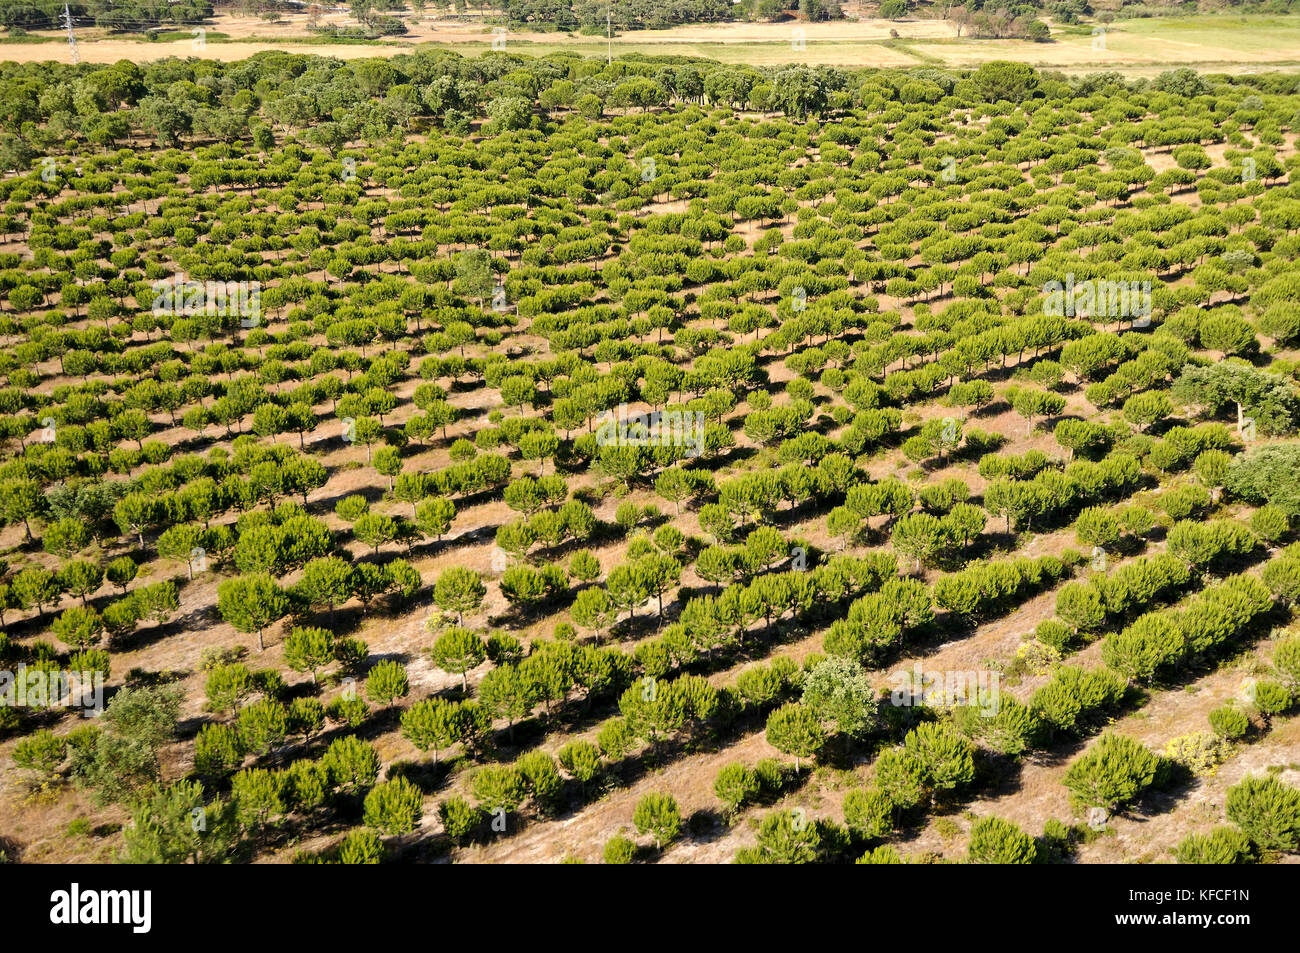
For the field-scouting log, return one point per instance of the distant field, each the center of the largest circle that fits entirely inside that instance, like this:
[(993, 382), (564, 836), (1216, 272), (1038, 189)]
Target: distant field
[(1236, 42), (1228, 43)]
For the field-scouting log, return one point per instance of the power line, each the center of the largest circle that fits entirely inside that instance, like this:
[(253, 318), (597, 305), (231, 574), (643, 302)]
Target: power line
[(57, 21), (72, 36), (60, 21)]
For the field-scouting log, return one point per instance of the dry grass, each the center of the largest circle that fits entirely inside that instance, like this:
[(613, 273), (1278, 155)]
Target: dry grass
[(1141, 47)]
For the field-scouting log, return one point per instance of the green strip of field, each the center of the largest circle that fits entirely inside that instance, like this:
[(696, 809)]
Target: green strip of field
[(759, 53), (1231, 43)]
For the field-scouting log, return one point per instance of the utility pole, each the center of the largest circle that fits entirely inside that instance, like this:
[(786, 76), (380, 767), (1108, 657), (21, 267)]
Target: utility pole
[(72, 37), (609, 36)]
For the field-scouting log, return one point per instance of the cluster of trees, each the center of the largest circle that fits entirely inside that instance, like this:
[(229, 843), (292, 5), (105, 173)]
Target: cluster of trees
[(1076, 698), (131, 15), (1052, 494), (985, 589), (652, 710), (1265, 816), (518, 282), (708, 624), (1090, 605), (935, 757), (998, 23), (115, 760), (588, 16), (1162, 640)]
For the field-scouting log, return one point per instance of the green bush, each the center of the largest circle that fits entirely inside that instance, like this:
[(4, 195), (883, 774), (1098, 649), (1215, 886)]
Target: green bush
[(1229, 722), (995, 841), (1267, 811), (1223, 845), (619, 850), (1114, 773)]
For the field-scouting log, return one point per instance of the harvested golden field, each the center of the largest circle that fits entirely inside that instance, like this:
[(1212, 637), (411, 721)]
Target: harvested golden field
[(1234, 44)]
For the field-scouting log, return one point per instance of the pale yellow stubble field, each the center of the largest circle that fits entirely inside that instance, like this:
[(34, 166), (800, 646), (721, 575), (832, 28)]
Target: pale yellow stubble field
[(1226, 43)]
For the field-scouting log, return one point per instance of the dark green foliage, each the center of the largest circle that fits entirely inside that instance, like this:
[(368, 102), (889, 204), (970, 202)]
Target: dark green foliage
[(658, 816), (995, 841), (1114, 773), (1222, 845), (1267, 811)]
